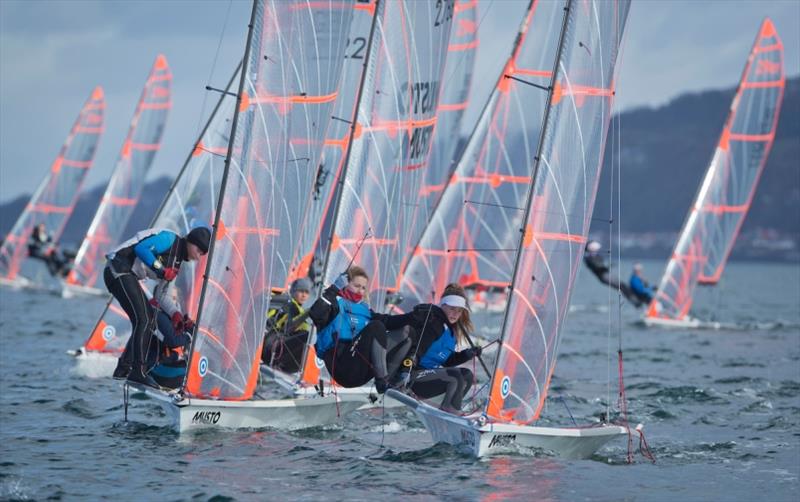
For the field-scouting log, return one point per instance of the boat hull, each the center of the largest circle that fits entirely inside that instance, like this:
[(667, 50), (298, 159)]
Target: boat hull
[(74, 290), (687, 323), (188, 414), (468, 434)]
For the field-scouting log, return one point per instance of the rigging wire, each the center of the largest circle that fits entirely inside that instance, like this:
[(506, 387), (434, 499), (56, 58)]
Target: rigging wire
[(200, 120)]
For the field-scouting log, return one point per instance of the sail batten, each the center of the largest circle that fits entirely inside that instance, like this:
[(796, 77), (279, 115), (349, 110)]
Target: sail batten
[(727, 190)]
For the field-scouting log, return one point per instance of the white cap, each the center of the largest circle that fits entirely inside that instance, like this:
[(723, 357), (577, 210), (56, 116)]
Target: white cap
[(638, 267), (593, 247), (454, 301)]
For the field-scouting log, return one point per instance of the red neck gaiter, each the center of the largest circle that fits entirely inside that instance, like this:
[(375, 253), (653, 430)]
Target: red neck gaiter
[(349, 295)]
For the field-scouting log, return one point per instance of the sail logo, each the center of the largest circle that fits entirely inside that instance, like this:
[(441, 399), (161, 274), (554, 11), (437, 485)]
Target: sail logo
[(206, 417), (319, 363), (502, 440), (202, 367), (108, 332), (505, 387)]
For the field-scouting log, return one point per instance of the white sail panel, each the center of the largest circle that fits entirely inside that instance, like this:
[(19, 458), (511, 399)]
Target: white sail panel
[(389, 153), (53, 201), (290, 79), (127, 181), (558, 208), (730, 182), (473, 232)]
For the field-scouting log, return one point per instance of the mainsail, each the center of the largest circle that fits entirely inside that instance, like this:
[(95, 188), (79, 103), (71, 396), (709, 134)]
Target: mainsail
[(472, 233), (190, 202), (393, 134), (730, 182), (453, 101), (53, 201), (315, 229), (558, 208), (289, 82), (122, 194)]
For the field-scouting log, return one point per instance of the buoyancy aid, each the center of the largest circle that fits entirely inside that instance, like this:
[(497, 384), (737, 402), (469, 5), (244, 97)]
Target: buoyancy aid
[(347, 324), (439, 351)]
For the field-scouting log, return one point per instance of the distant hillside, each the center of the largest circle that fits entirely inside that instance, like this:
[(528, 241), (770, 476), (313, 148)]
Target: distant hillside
[(665, 153), (78, 224)]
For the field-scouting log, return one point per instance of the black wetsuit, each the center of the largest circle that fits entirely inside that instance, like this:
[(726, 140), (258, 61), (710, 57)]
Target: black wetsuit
[(39, 247), (429, 323), (371, 353), (121, 276), (598, 266)]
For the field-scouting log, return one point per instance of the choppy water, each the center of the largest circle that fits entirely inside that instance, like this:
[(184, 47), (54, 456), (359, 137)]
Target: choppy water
[(720, 410)]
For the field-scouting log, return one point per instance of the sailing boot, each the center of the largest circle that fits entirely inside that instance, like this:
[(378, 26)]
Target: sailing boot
[(138, 375), (122, 370)]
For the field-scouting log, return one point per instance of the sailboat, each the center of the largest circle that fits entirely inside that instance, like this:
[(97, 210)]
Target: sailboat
[(288, 84), (190, 202), (727, 190), (386, 154), (549, 249), (53, 201), (127, 181), (472, 232)]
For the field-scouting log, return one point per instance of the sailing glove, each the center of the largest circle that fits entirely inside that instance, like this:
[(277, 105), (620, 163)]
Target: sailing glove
[(341, 281), (170, 273), (473, 352)]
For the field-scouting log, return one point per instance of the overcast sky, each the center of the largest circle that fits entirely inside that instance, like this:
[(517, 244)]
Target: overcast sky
[(52, 53)]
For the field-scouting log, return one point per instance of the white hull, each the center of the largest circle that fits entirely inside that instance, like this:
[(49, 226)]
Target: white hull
[(288, 384), (74, 290), (480, 440), (189, 414), (91, 364), (687, 323)]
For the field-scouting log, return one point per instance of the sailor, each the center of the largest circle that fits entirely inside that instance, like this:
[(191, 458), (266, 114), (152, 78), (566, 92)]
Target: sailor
[(597, 264), (287, 330), (639, 286), (151, 254), (354, 346), (41, 247), (167, 350), (438, 329)]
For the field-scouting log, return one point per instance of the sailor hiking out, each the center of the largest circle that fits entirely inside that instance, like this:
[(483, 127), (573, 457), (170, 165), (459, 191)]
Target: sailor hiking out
[(595, 262), (437, 331), (41, 247), (151, 254), (351, 339)]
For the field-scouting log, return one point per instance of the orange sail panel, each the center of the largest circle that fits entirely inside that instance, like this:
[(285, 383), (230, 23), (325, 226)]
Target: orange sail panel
[(127, 180), (730, 182), (53, 201)]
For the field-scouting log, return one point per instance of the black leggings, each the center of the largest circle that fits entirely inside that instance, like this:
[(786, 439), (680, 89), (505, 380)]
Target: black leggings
[(454, 383), (284, 352), (626, 291), (373, 353), (131, 297)]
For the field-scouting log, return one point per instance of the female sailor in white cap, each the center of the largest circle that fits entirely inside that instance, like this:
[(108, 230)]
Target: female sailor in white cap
[(438, 330)]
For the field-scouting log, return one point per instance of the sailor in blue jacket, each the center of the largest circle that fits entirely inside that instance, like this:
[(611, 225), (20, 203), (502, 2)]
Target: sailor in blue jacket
[(640, 287), (151, 254), (351, 341), (437, 329)]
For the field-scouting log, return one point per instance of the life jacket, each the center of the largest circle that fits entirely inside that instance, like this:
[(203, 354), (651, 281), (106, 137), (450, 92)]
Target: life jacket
[(347, 324), (439, 351), (278, 325), (123, 259)]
